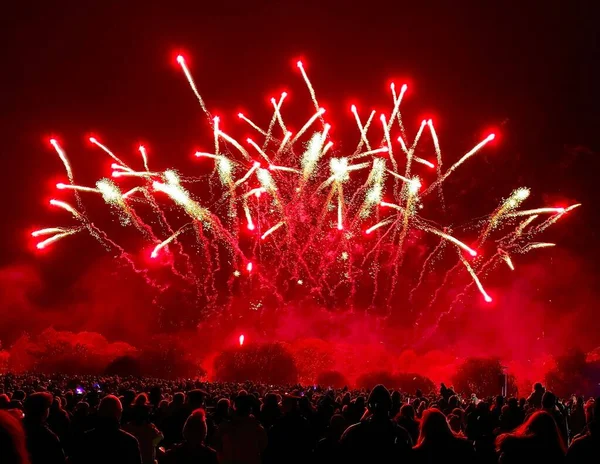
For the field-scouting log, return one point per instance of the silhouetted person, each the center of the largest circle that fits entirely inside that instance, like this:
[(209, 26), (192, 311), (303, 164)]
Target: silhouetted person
[(43, 445), (437, 443), (549, 404), (535, 399), (577, 420), (59, 421), (327, 449), (241, 440), (377, 438), (193, 450), (269, 411), (146, 433), (107, 443), (406, 420), (12, 440), (290, 438), (586, 448), (538, 440), (512, 416), (396, 403)]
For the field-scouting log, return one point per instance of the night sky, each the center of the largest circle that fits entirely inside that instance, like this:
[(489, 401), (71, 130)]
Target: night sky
[(71, 69)]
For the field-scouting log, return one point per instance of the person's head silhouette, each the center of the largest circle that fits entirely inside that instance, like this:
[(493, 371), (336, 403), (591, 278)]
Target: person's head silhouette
[(380, 401)]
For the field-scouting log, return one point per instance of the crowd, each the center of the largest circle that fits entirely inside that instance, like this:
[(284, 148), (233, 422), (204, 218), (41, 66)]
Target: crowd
[(111, 420)]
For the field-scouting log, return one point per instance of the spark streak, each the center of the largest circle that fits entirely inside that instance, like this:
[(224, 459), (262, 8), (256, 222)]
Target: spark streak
[(486, 297), (190, 79), (271, 230), (107, 151)]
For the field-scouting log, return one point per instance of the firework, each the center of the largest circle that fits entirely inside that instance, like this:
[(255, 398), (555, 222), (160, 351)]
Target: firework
[(334, 237)]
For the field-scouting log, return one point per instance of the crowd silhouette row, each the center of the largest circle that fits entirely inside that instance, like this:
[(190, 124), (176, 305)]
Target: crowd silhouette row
[(112, 420)]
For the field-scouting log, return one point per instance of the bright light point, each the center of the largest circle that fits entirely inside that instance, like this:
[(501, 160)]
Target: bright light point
[(560, 210), (256, 163), (423, 122), (488, 299), (249, 267), (283, 94), (473, 253), (250, 226), (321, 110), (180, 59), (93, 139), (216, 119), (115, 173), (141, 147), (382, 117), (153, 254), (240, 115), (273, 100), (299, 64), (60, 186), (53, 141), (353, 108), (404, 87), (300, 282), (340, 227), (241, 339), (368, 231), (249, 140), (40, 246), (197, 154), (491, 136), (392, 86), (430, 122)]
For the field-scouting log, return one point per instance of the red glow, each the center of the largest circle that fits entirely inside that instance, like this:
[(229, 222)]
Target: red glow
[(353, 108), (180, 59), (250, 226), (473, 253), (241, 339), (404, 87), (283, 94), (491, 136), (299, 64), (240, 115), (340, 227), (273, 100), (488, 299), (93, 139), (249, 267), (53, 141)]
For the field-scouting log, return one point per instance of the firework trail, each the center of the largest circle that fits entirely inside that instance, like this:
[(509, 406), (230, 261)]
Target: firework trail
[(328, 203)]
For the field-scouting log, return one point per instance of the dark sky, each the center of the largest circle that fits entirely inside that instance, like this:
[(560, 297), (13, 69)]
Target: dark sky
[(71, 68)]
